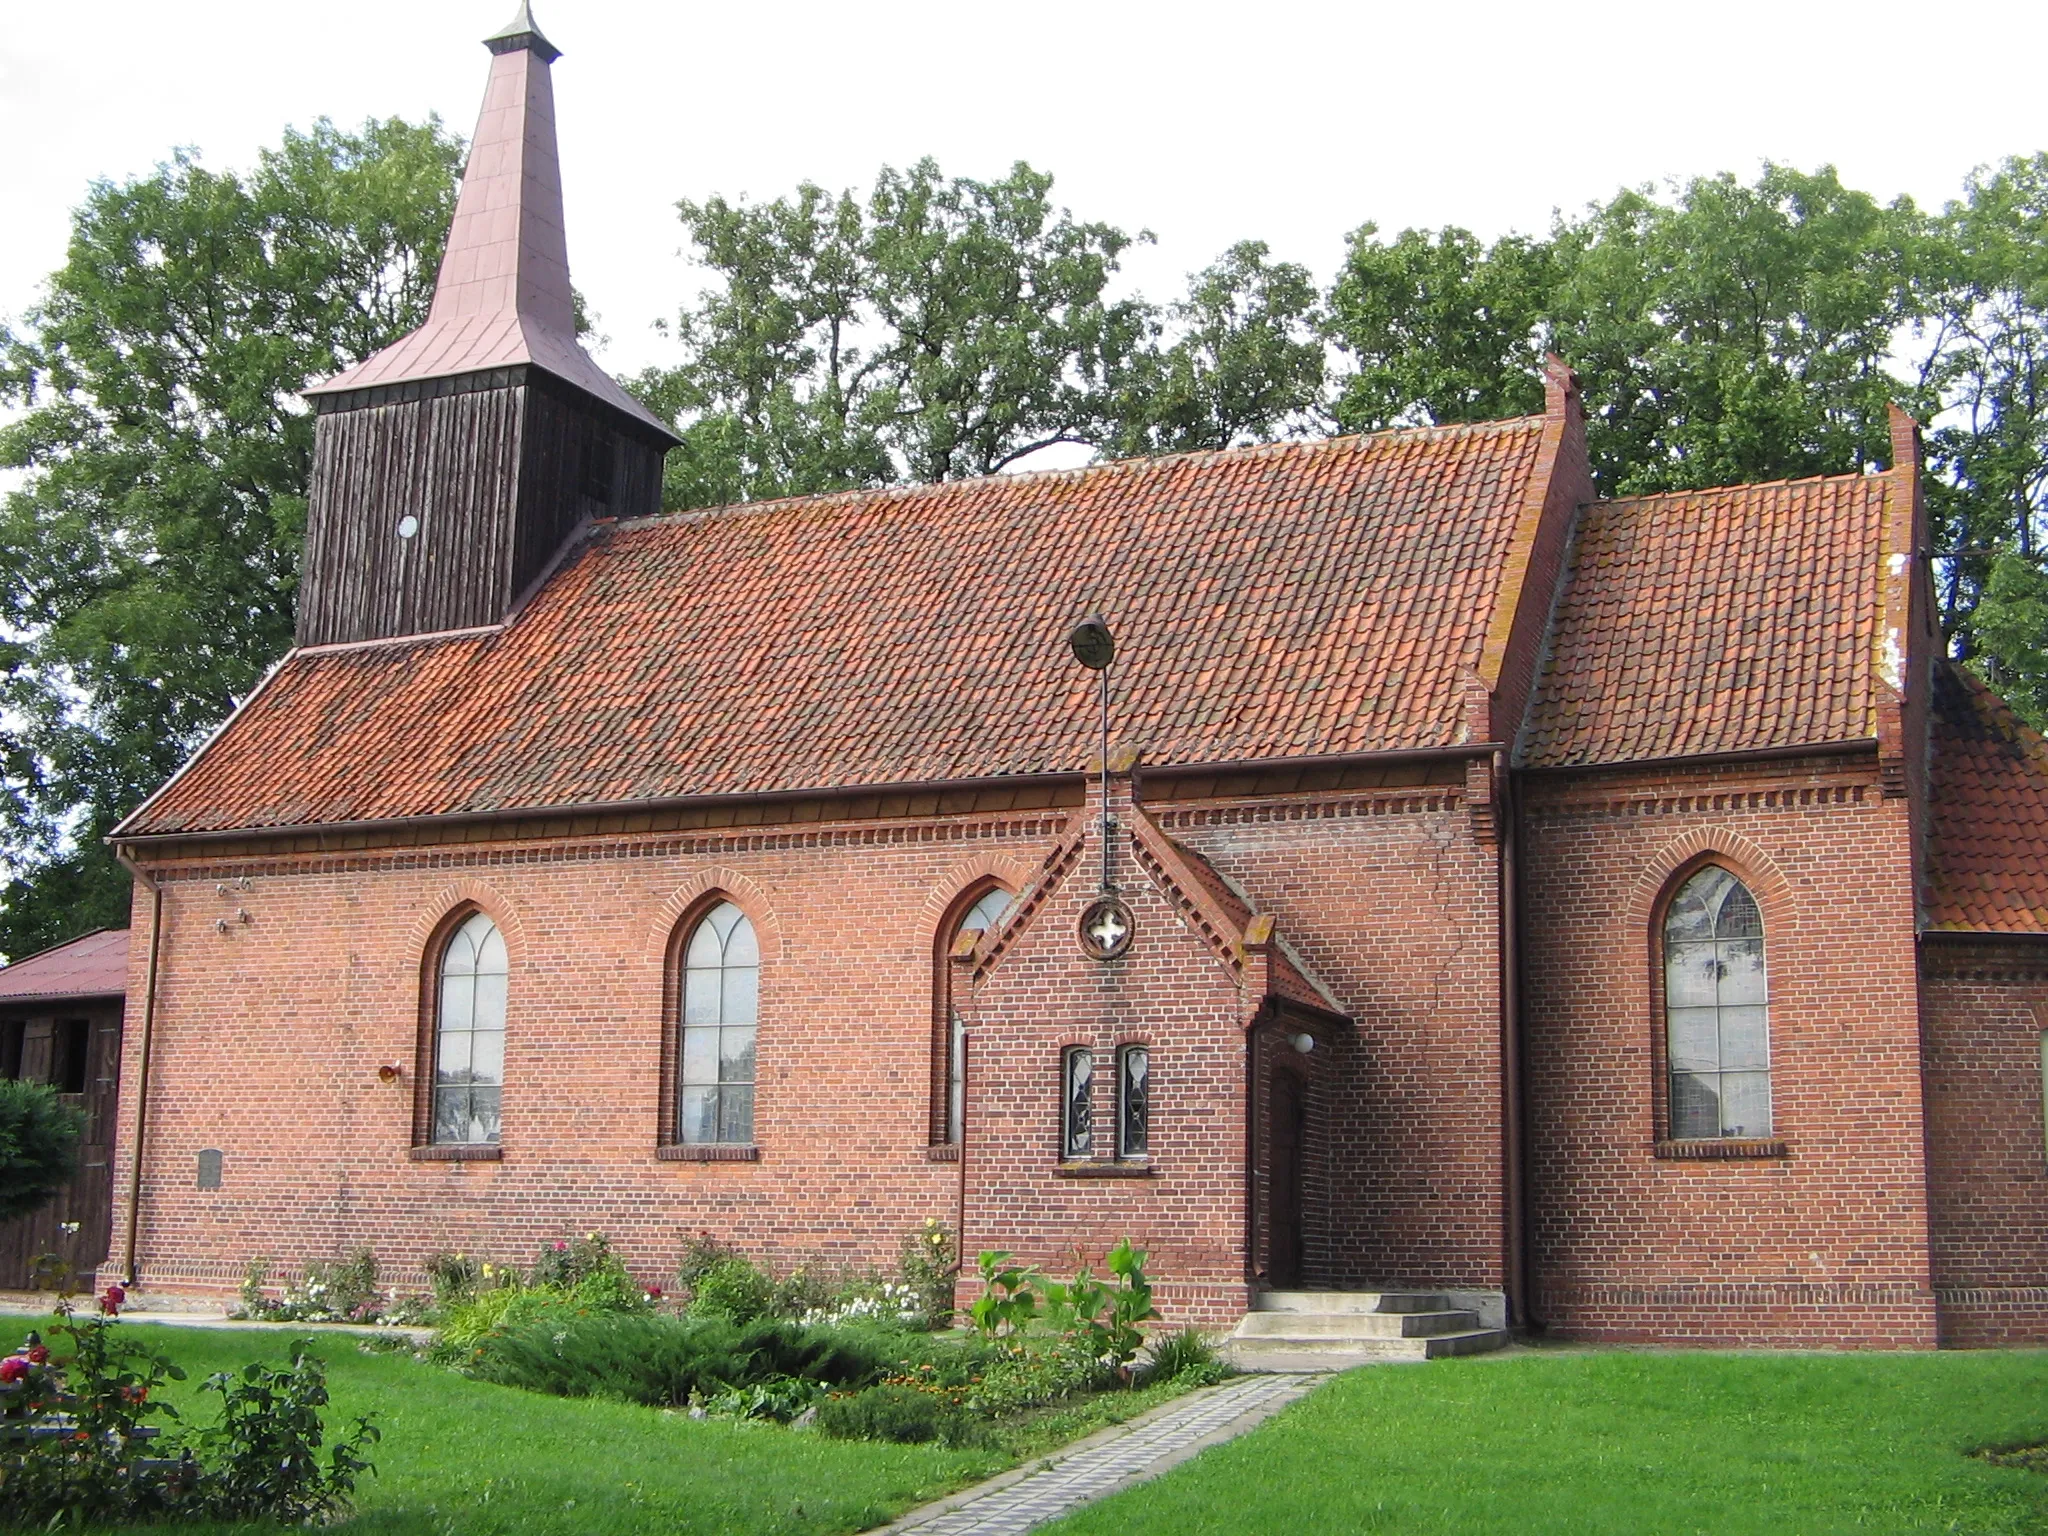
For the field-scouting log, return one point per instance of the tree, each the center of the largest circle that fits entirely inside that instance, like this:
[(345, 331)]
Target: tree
[(934, 329), (148, 565), (1737, 333), (1246, 363), (1441, 328), (39, 1137), (1985, 350)]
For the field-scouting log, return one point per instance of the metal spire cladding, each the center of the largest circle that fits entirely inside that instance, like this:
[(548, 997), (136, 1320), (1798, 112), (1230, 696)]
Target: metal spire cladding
[(502, 298)]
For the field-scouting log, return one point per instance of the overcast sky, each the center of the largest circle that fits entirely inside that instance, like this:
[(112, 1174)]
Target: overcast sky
[(1292, 123)]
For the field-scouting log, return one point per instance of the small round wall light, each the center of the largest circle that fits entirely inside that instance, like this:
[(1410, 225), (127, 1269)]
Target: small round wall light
[(389, 1073), (408, 525), (1304, 1043)]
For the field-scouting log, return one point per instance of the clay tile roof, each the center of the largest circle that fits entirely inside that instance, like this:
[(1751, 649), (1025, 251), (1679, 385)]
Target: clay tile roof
[(1988, 804), (1714, 621), (1269, 602), (95, 965)]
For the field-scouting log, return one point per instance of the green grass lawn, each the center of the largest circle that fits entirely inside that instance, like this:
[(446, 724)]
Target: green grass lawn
[(459, 1456), (1639, 1443)]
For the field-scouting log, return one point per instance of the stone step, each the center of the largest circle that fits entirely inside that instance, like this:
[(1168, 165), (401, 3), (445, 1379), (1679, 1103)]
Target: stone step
[(1355, 1325), (1267, 1354), (1329, 1302)]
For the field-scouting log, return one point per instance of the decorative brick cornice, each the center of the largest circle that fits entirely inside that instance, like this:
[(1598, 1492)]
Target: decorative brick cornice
[(1415, 801), (1588, 802), (581, 849)]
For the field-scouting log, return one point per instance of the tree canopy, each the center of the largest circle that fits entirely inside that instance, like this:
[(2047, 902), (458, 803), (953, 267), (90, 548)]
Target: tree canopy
[(929, 327), (148, 564)]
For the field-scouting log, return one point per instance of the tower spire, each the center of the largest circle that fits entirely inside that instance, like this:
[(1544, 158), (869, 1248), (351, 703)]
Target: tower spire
[(502, 298), (520, 32)]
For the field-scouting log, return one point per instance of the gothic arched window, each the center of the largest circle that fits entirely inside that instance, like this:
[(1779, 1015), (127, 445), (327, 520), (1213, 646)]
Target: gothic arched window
[(1716, 1010), (721, 985), (986, 911), (469, 1034)]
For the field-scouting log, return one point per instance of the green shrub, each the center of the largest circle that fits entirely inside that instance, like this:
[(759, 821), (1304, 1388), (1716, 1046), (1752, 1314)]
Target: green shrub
[(262, 1458), (458, 1278), (341, 1291), (1184, 1353), (568, 1262), (702, 1252), (39, 1136), (732, 1289), (900, 1414), (781, 1398), (1029, 1373), (1102, 1319), (928, 1267), (662, 1361)]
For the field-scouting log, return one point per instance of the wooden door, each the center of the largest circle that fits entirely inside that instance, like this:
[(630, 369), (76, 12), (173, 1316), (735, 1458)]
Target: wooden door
[(1285, 1127)]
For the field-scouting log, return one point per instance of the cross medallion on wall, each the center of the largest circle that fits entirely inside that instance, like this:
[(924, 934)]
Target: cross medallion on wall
[(1106, 928)]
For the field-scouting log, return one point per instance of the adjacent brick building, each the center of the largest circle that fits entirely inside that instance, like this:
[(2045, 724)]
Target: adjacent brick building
[(1615, 911)]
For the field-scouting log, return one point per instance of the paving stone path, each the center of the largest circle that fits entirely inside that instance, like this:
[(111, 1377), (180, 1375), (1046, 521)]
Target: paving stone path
[(1104, 1463)]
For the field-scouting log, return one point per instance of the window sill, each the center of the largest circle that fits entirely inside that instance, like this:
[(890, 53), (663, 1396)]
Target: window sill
[(1106, 1170), (457, 1152), (708, 1152), (944, 1152), (1719, 1149)]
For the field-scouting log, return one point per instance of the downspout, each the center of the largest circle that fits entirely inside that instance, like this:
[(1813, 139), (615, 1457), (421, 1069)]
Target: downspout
[(1516, 1212), (156, 928), (966, 1098)]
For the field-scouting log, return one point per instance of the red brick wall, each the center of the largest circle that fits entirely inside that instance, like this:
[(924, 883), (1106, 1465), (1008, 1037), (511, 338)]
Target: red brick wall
[(1985, 1005), (1825, 1245), (1171, 992), (269, 1036), (1392, 905)]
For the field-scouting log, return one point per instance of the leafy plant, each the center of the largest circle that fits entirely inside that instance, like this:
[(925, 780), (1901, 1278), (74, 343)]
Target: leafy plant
[(262, 1458), (568, 1262), (456, 1277), (897, 1413), (74, 1428), (1008, 1299), (732, 1289), (1184, 1352), (340, 1291), (39, 1136), (928, 1267)]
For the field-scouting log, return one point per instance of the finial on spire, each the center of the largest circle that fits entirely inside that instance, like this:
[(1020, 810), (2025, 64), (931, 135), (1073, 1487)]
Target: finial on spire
[(520, 32)]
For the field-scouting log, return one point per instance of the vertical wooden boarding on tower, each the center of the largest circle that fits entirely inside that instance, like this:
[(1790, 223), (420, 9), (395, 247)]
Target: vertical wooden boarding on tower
[(449, 468)]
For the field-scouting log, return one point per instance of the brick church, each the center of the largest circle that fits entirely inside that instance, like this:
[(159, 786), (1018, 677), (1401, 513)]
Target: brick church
[(1617, 912)]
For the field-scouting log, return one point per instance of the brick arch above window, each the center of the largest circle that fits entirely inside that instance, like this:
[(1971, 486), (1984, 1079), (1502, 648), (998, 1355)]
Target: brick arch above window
[(1678, 860), (970, 876), (695, 896), (439, 917)]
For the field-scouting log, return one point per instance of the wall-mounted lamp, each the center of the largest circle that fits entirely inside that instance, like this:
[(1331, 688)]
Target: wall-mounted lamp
[(388, 1073), (1304, 1043)]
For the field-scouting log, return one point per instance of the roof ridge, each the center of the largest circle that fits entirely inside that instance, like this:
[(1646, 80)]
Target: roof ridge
[(913, 490), (1860, 476)]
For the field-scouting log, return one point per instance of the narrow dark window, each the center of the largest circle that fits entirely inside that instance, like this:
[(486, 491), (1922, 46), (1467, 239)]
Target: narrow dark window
[(469, 1034), (982, 916), (71, 1055), (720, 996), (1717, 1010), (1134, 1101), (11, 1034), (1077, 1115)]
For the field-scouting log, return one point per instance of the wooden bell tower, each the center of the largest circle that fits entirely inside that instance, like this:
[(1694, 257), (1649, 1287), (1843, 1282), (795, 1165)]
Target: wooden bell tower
[(449, 468)]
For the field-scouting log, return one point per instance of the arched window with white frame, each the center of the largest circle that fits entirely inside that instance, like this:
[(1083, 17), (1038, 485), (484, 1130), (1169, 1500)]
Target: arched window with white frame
[(1716, 1010), (984, 913), (469, 1034), (719, 996)]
